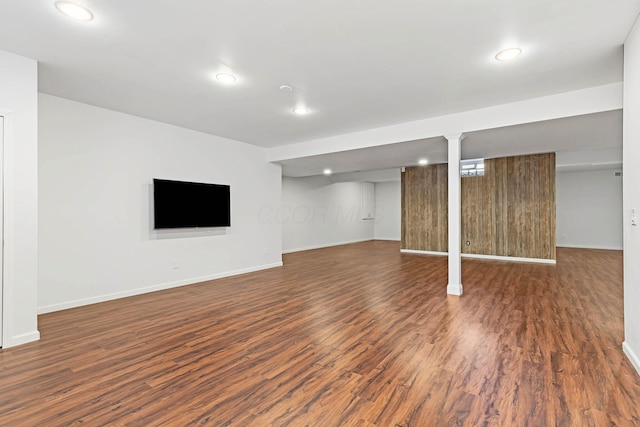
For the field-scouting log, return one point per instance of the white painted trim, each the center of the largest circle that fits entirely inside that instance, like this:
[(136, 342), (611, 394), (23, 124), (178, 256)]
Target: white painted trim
[(454, 260), (454, 289), (413, 251), (633, 358), (608, 248), (491, 257), (510, 258), (21, 339), (391, 239), (325, 245), (154, 288)]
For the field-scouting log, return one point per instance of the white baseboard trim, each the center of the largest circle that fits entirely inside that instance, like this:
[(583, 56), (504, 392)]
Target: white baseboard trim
[(20, 339), (607, 248), (393, 239), (510, 258), (325, 245), (454, 289), (492, 257), (154, 288), (414, 251), (635, 360)]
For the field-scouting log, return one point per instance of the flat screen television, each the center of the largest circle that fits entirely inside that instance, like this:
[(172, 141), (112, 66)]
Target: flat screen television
[(180, 204)]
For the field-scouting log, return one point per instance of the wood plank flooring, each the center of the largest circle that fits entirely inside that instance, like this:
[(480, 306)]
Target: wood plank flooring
[(357, 335)]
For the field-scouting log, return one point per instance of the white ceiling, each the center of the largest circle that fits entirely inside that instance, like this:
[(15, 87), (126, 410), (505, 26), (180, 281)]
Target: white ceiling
[(356, 65), (596, 134)]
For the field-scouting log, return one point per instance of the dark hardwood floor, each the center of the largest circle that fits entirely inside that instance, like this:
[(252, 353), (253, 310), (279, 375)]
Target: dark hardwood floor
[(356, 335)]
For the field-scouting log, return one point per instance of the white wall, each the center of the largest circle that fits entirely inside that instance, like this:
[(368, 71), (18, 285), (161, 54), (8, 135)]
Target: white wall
[(631, 192), (19, 105), (387, 222), (317, 213), (96, 237), (589, 209)]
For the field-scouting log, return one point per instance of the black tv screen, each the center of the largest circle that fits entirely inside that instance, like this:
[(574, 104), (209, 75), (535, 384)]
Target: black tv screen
[(180, 204)]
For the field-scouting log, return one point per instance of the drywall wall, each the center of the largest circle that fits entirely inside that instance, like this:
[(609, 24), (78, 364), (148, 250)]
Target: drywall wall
[(387, 223), (96, 234), (317, 213), (631, 195), (19, 106), (589, 209)]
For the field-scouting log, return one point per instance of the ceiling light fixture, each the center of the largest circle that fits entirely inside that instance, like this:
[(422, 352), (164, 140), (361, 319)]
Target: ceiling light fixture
[(508, 54), (301, 111), (286, 88), (423, 162), (226, 78), (327, 171), (74, 11)]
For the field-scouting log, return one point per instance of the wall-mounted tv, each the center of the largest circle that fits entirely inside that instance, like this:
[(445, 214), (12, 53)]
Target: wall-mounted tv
[(180, 204)]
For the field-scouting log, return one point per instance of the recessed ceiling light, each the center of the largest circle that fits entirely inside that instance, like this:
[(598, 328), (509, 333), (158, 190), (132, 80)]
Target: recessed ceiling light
[(508, 54), (301, 111), (327, 171), (286, 88), (74, 10), (226, 78), (423, 162)]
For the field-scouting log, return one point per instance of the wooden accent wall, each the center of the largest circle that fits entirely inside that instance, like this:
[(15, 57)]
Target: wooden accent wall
[(424, 208), (510, 211)]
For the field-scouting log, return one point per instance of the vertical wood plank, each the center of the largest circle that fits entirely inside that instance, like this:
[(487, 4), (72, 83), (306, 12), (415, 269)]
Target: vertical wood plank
[(500, 209), (443, 207), (489, 200), (425, 208), (544, 212), (552, 209), (510, 211), (403, 211), (512, 202)]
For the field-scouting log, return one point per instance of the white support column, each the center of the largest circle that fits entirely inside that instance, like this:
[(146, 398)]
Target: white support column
[(454, 287)]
